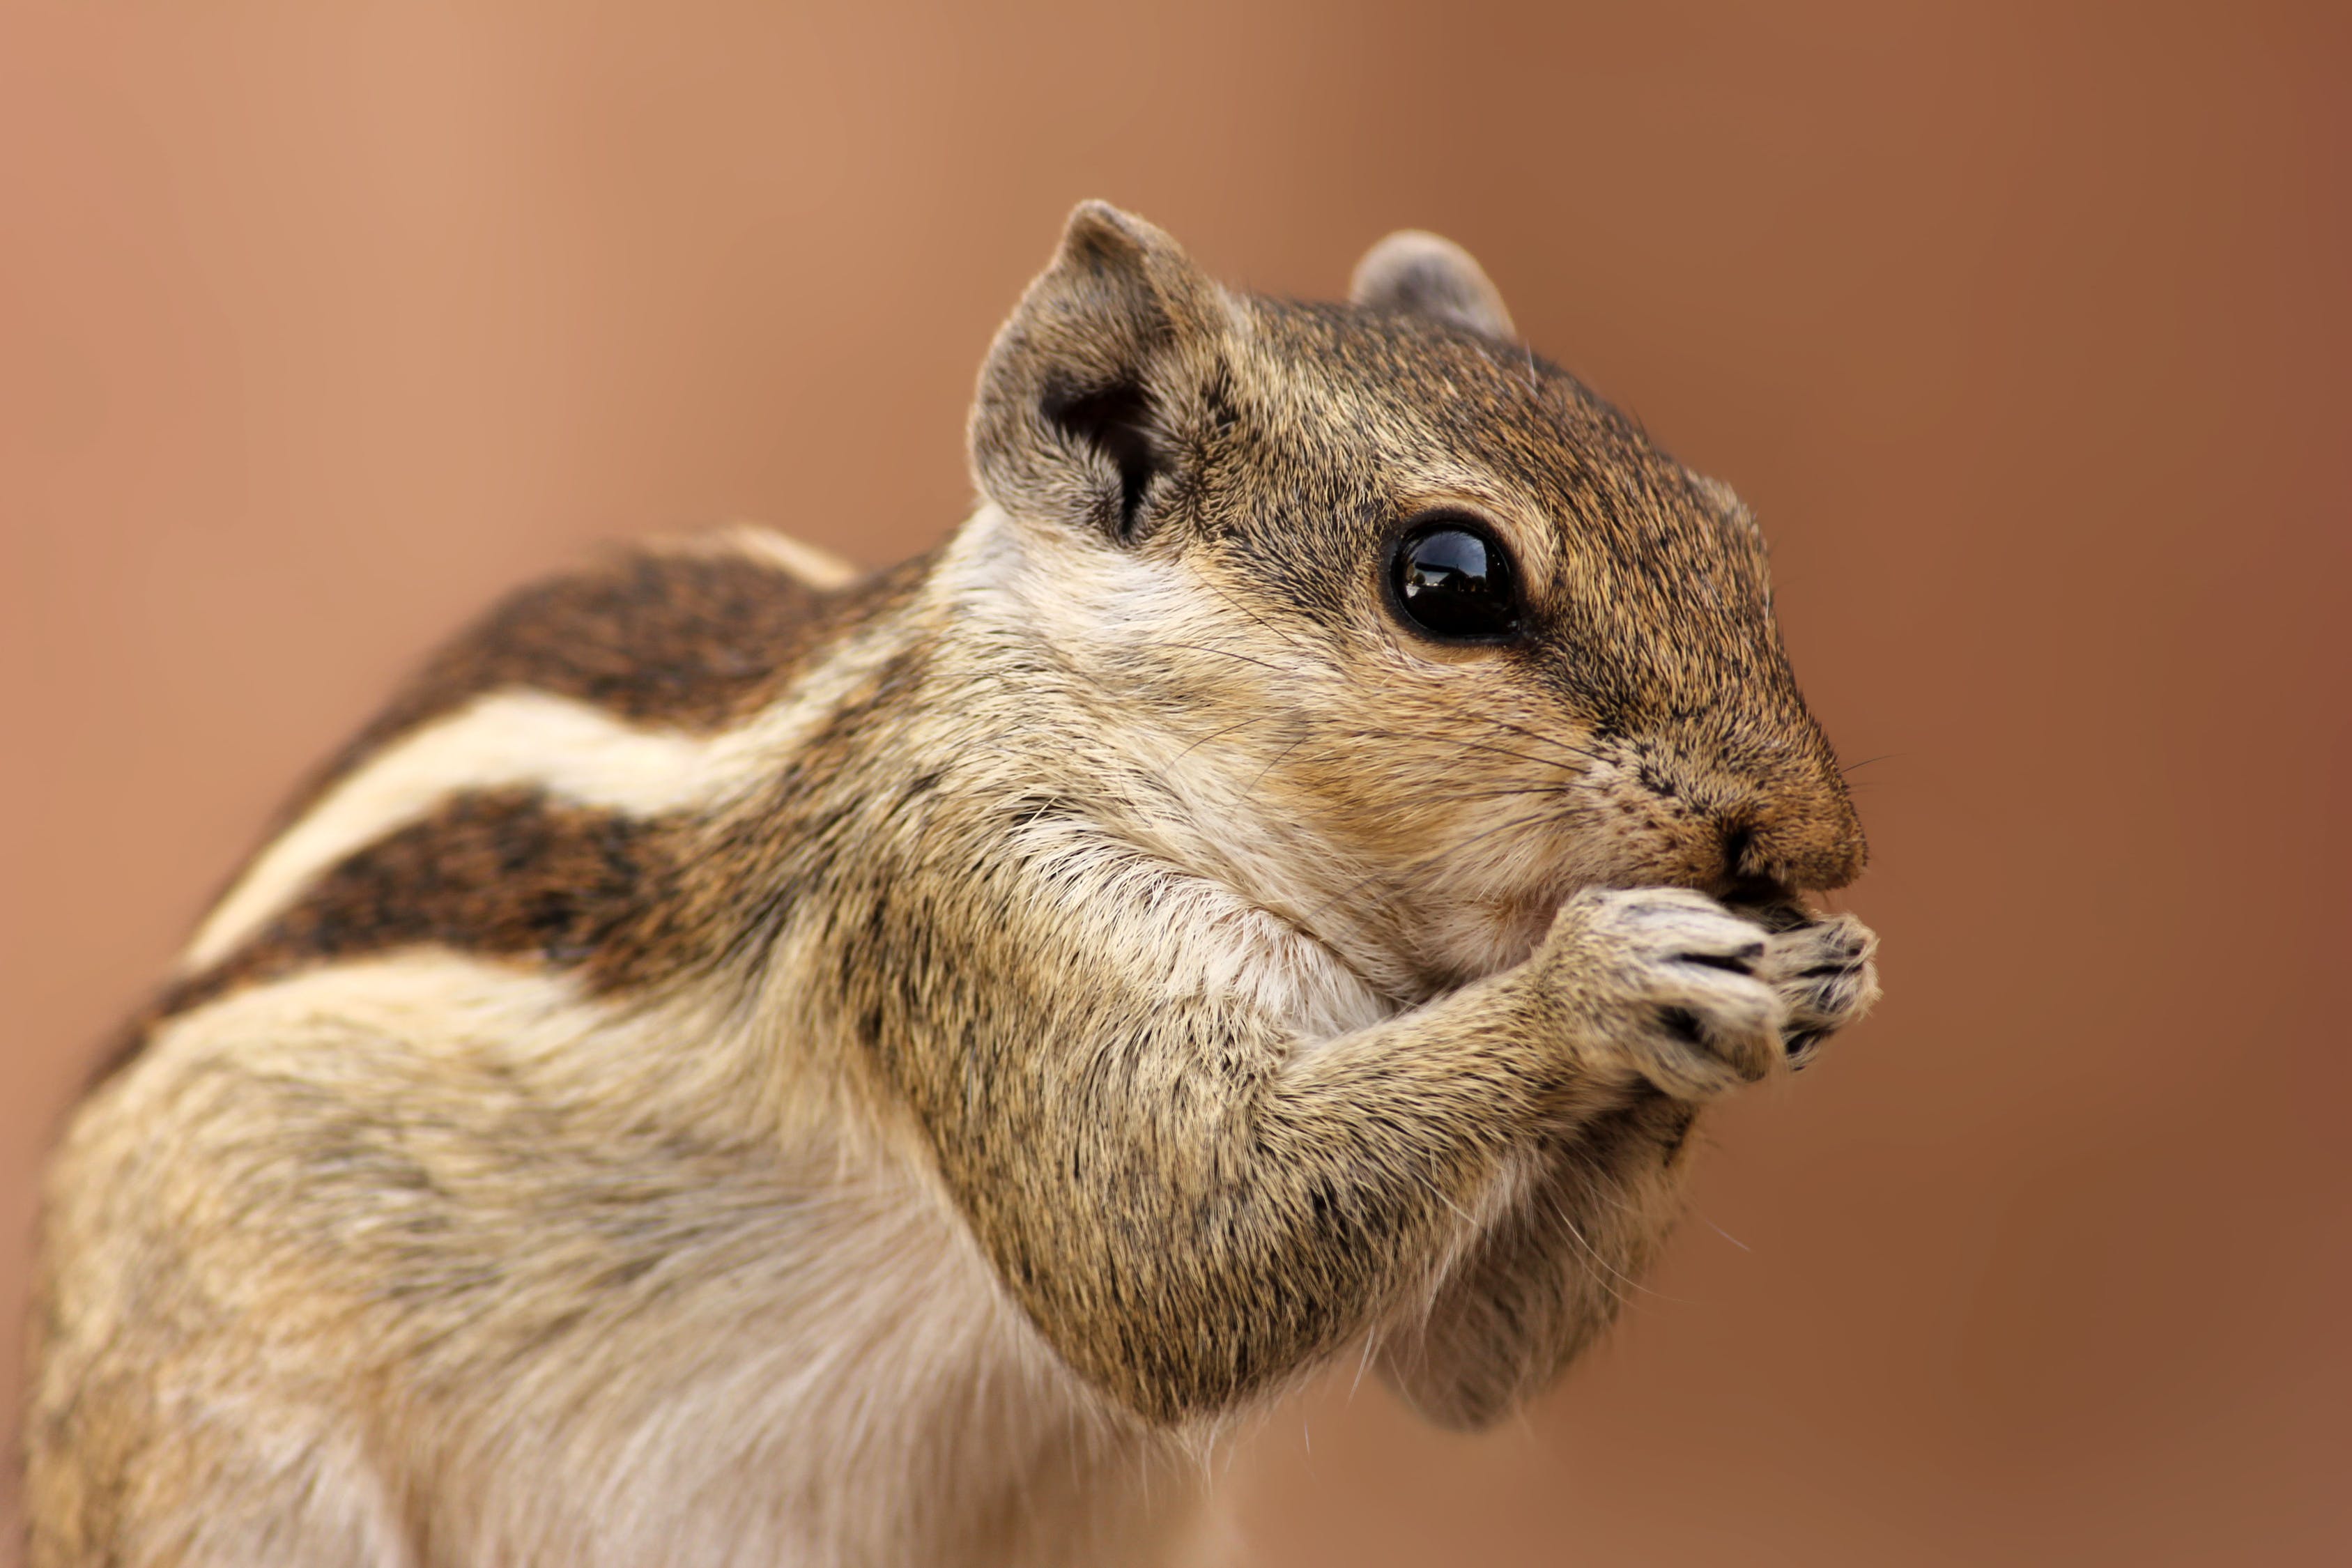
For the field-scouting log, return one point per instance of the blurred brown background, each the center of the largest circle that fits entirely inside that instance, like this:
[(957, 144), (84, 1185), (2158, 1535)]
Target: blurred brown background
[(2026, 328)]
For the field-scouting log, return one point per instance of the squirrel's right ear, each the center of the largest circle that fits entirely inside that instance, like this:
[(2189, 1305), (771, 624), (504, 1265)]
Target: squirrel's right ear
[(1426, 273), (1091, 387)]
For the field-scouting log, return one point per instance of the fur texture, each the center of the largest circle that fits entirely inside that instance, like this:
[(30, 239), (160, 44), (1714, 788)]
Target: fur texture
[(735, 1068)]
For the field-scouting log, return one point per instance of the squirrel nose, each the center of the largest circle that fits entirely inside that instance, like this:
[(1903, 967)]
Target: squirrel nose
[(1738, 846), (1805, 847)]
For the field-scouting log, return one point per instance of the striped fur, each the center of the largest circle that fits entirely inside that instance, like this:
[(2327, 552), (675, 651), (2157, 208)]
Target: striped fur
[(740, 1065), (557, 749)]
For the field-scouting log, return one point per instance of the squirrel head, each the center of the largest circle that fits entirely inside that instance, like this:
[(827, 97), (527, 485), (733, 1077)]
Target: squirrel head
[(1408, 633)]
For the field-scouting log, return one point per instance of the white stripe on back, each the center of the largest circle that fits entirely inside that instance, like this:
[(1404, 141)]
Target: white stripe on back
[(578, 754)]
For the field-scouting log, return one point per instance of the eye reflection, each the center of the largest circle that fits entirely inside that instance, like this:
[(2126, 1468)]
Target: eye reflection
[(1453, 581)]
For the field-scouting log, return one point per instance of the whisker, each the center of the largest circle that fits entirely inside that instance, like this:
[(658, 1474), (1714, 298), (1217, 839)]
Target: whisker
[(1208, 648), (1611, 1277), (1456, 741), (1541, 739), (1558, 745), (1292, 638), (1525, 820), (1725, 1234), (1500, 792), (1214, 734), (1278, 759), (1560, 1212)]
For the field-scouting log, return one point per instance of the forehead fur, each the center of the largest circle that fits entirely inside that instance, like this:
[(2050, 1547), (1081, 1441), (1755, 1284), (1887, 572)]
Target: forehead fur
[(1350, 419)]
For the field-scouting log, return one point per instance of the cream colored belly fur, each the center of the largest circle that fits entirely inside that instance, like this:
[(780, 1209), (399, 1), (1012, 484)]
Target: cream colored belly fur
[(709, 1353)]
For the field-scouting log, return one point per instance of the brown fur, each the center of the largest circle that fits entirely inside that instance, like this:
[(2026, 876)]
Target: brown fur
[(693, 639), (1115, 966), (505, 873)]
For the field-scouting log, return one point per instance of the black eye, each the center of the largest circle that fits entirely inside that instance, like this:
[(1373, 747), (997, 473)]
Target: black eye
[(1453, 579)]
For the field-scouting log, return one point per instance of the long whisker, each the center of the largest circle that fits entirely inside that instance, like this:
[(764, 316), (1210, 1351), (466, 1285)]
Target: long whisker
[(1292, 638), (1524, 820), (1459, 740), (1209, 648), (1560, 1212), (1500, 792), (1541, 739), (1567, 748), (1279, 758), (1215, 734)]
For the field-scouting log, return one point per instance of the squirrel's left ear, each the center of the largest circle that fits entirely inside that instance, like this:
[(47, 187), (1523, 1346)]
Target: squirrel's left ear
[(1094, 388), (1428, 275)]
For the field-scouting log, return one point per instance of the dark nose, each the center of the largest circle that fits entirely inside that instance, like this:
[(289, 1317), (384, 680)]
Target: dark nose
[(1810, 844)]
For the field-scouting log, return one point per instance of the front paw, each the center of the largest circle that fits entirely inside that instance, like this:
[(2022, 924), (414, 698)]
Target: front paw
[(1670, 982), (1823, 972)]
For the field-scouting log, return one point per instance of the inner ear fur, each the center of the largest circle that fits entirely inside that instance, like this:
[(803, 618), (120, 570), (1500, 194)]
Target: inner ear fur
[(1425, 274), (1091, 384)]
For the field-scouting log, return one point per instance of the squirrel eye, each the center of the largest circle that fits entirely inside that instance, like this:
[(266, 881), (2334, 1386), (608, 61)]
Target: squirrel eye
[(1453, 579)]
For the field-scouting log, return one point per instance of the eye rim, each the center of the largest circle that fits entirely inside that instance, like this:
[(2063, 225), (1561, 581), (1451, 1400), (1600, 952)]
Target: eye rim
[(1434, 520)]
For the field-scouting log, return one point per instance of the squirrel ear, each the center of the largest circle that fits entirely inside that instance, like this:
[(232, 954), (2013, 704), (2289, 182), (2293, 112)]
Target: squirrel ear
[(1429, 275), (1092, 381)]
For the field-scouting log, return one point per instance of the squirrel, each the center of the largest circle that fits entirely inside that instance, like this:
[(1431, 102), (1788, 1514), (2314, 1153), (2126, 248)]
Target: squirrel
[(749, 1063)]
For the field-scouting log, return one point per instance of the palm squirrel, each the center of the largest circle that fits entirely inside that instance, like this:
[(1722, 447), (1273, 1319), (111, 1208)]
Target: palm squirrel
[(745, 1064)]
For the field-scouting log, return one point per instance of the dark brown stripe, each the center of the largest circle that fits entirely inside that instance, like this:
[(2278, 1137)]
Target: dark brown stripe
[(506, 874), (690, 641), (694, 641), (687, 641)]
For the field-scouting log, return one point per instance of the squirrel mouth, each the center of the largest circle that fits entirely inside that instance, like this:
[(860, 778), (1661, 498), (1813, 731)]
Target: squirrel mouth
[(1773, 905)]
